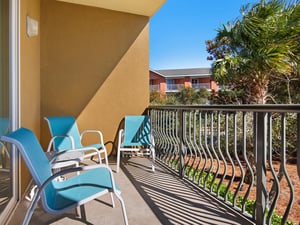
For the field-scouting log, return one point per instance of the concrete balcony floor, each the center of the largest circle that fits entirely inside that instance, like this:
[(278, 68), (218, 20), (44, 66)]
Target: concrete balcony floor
[(150, 198)]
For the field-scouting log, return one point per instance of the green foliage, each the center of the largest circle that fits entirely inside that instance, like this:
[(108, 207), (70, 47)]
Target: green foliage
[(291, 135), (187, 96), (276, 220), (254, 52), (225, 97), (156, 98)]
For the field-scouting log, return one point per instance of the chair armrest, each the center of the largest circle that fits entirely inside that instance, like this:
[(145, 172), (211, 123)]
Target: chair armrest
[(152, 137), (60, 153), (51, 143), (79, 169), (93, 131), (5, 149), (121, 137)]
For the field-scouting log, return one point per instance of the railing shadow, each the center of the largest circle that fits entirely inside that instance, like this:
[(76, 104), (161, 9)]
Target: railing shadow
[(173, 200)]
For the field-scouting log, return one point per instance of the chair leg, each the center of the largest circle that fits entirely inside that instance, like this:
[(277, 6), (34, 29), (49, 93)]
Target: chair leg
[(31, 208), (118, 160), (153, 159), (32, 193), (123, 208), (82, 213), (112, 199)]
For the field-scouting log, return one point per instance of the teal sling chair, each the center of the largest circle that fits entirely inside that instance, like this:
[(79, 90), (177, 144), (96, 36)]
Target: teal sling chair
[(65, 135), (136, 136), (59, 197), (4, 154)]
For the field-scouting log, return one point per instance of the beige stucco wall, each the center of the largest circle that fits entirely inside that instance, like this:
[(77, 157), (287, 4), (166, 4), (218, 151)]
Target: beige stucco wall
[(29, 76), (94, 66)]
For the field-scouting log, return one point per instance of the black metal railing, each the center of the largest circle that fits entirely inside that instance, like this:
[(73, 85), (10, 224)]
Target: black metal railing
[(239, 154)]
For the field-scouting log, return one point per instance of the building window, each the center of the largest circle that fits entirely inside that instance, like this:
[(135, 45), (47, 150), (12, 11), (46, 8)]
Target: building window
[(171, 85), (195, 83)]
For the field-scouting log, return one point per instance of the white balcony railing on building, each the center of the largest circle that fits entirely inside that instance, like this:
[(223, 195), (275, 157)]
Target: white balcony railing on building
[(154, 87), (201, 85), (174, 87)]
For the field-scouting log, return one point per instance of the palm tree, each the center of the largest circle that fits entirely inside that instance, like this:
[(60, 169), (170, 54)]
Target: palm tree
[(261, 46)]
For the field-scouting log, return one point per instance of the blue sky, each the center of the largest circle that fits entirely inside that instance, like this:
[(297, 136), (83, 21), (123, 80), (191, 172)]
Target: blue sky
[(179, 29)]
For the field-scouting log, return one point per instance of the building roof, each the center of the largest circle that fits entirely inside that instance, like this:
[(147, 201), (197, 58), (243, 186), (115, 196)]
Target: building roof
[(192, 72)]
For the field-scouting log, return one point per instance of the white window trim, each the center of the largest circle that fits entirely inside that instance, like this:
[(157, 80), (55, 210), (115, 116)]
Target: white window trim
[(14, 95)]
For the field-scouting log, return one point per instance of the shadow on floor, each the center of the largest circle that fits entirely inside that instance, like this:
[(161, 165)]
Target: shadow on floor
[(174, 201)]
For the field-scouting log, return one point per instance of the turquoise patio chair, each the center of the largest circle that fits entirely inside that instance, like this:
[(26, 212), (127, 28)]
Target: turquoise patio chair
[(4, 154), (65, 135), (59, 197), (136, 137)]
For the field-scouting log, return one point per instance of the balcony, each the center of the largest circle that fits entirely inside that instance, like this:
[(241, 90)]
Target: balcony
[(151, 198), (198, 86), (215, 165), (174, 87), (154, 87)]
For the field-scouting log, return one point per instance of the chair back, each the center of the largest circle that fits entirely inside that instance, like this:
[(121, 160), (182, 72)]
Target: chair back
[(137, 131), (31, 152), (63, 126), (4, 123)]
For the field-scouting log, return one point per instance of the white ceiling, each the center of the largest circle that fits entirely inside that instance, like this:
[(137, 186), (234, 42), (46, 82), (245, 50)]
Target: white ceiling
[(140, 7)]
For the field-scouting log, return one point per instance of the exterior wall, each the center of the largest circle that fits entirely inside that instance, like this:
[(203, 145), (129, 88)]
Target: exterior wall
[(187, 82), (89, 58), (156, 78), (163, 87), (204, 80), (29, 77), (214, 86)]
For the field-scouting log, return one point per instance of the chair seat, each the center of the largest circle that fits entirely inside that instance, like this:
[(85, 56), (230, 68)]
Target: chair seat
[(95, 146), (78, 189), (133, 144), (65, 160)]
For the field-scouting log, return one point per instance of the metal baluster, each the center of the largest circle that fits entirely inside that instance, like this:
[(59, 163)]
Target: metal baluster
[(238, 161), (248, 165), (275, 190), (192, 141), (182, 145), (167, 137), (227, 192), (208, 151), (187, 140), (197, 148), (221, 155), (202, 148), (261, 191), (298, 144), (283, 161), (214, 153), (172, 124)]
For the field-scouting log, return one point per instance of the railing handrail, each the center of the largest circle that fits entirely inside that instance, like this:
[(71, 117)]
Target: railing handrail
[(201, 85), (232, 108), (174, 87)]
